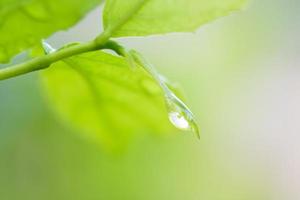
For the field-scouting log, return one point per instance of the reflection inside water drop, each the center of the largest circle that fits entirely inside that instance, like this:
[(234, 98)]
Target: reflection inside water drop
[(179, 121)]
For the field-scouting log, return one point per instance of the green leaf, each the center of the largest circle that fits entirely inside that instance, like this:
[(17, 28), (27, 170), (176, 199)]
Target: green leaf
[(146, 17), (23, 23), (179, 114), (103, 98)]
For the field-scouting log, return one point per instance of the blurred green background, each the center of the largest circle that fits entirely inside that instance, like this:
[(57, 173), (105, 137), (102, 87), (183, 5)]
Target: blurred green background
[(241, 77)]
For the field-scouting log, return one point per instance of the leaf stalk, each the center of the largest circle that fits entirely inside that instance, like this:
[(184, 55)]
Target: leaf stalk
[(45, 61)]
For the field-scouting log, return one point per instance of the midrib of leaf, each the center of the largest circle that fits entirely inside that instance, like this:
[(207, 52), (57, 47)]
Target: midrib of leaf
[(119, 83), (111, 29), (98, 100), (97, 97)]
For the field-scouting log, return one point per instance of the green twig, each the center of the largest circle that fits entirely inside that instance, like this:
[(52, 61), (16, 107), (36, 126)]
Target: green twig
[(45, 61)]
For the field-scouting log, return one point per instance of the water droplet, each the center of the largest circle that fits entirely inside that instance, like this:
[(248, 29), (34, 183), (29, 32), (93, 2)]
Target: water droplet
[(47, 47), (179, 114), (179, 121)]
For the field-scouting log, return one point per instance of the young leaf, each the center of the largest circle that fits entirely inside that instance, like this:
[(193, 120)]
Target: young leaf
[(146, 17), (179, 114), (23, 23), (105, 99)]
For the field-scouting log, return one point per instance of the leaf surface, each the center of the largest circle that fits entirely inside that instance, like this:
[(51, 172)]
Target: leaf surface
[(23, 23), (103, 98), (146, 17)]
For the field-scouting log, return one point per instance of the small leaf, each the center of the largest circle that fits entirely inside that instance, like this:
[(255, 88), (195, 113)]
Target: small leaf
[(99, 95), (23, 23), (147, 17), (179, 114)]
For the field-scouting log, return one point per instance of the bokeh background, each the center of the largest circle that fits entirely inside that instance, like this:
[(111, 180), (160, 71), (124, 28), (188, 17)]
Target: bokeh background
[(241, 76)]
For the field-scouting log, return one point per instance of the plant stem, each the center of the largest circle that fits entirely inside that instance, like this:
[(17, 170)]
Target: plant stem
[(45, 61)]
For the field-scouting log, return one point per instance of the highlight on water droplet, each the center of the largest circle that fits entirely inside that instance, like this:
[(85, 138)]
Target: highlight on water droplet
[(47, 47), (179, 121)]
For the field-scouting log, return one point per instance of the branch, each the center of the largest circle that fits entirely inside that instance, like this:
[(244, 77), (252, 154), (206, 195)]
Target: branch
[(45, 61)]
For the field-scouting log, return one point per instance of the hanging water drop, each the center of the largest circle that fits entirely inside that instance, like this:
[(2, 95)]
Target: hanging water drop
[(179, 121), (47, 47), (179, 114)]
